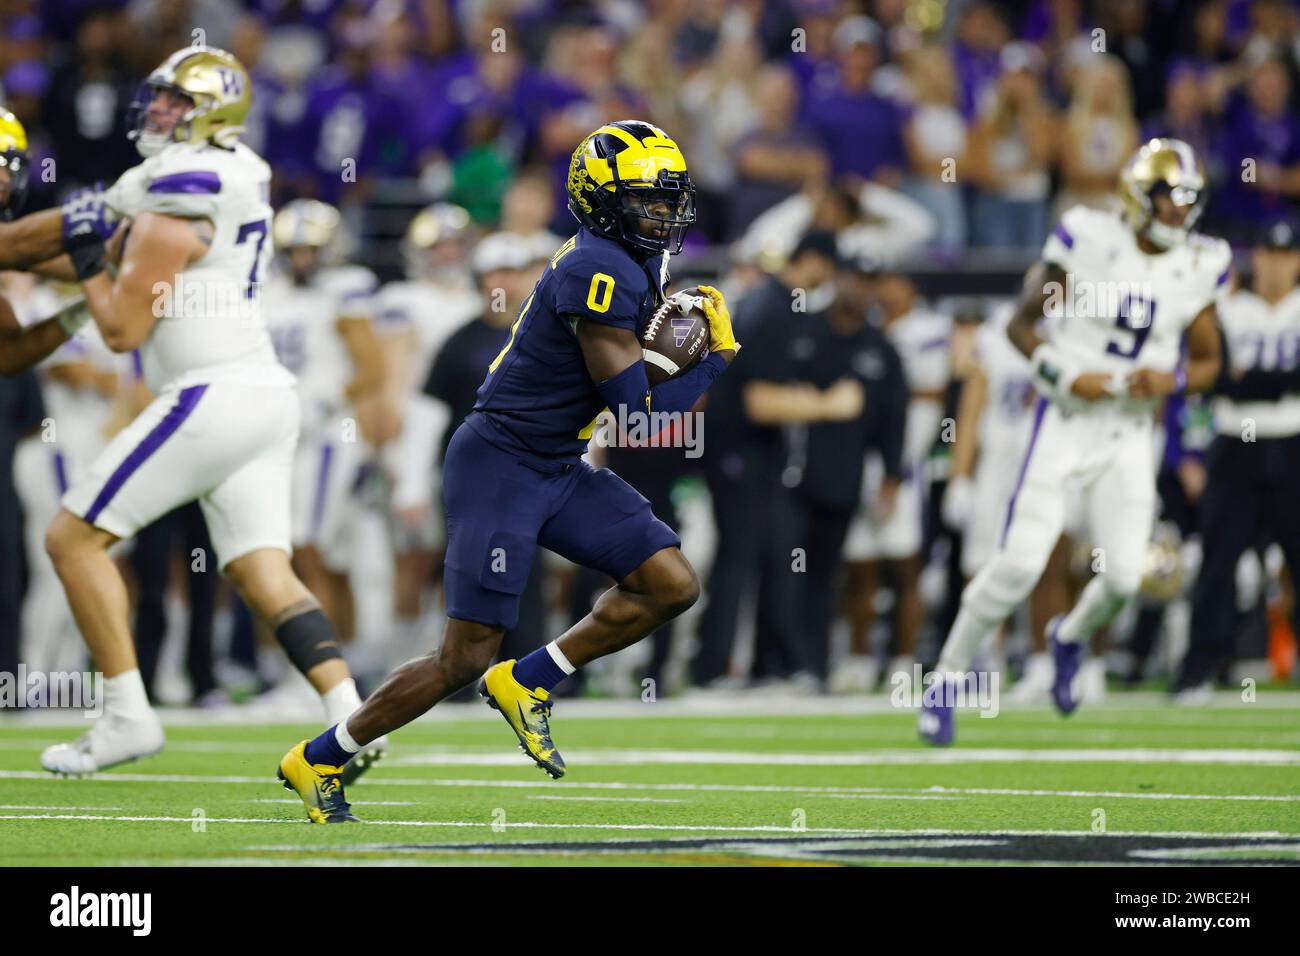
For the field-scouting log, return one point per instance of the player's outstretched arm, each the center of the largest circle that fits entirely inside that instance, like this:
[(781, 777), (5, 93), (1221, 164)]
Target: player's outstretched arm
[(160, 249), (31, 239), (21, 348)]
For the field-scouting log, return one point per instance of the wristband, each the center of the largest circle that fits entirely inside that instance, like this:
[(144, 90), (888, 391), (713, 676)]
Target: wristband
[(1051, 372), (1180, 380), (88, 256)]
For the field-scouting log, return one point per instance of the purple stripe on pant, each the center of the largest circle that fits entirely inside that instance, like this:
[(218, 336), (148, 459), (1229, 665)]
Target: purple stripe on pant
[(322, 482), (185, 404), (1039, 409)]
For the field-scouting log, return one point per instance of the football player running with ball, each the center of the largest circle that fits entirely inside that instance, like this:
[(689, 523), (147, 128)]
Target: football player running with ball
[(514, 477), (224, 422), (1121, 296)]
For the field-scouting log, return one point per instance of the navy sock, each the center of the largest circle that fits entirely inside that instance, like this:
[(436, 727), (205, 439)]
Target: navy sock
[(539, 669), (327, 750)]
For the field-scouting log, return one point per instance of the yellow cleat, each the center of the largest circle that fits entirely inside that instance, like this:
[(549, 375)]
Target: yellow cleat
[(526, 711), (318, 785)]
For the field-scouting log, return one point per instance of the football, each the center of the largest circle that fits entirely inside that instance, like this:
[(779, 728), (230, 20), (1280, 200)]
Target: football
[(676, 337)]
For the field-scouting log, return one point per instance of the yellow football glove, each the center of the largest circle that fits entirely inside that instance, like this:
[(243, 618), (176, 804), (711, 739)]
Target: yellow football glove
[(721, 337)]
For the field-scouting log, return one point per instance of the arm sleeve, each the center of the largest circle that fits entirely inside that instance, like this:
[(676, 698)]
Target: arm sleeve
[(631, 389)]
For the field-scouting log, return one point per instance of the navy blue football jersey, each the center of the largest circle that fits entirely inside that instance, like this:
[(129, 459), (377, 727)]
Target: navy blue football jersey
[(538, 397)]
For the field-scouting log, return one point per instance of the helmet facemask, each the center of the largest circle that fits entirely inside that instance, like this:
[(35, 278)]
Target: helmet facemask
[(15, 161), (150, 141), (655, 218), (1163, 234)]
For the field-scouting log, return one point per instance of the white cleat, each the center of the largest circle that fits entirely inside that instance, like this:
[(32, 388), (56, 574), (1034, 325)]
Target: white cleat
[(855, 675), (1202, 695), (1035, 685), (1092, 681), (902, 664), (111, 741)]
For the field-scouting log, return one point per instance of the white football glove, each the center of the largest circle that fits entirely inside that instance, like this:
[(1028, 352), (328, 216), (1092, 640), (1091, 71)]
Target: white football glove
[(958, 502), (1053, 373)]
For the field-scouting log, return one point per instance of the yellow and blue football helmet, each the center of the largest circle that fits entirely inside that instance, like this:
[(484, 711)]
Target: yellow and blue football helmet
[(1162, 165), (619, 173), (218, 88), (13, 157)]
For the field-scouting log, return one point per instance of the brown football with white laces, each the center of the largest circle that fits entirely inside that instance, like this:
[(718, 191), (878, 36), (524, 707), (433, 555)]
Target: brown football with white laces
[(676, 337)]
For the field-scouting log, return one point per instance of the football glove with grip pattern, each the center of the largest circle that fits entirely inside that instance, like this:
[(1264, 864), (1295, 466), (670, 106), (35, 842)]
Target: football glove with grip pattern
[(721, 336), (87, 224)]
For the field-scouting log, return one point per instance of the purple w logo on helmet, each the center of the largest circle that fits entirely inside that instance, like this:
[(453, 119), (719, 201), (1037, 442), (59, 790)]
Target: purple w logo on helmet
[(231, 82)]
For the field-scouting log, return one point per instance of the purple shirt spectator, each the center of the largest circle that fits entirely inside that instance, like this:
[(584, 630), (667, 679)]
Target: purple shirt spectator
[(461, 93), (1269, 141), (349, 118), (862, 132), (977, 71)]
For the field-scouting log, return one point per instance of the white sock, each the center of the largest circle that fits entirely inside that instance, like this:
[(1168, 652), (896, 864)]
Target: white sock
[(557, 655), (124, 695), (341, 700), (1096, 608), (344, 738), (968, 634)]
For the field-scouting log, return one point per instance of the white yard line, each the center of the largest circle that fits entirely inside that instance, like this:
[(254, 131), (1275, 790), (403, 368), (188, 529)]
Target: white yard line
[(356, 803), (846, 832), (839, 792), (479, 824), (750, 704), (865, 758), (29, 806), (551, 796)]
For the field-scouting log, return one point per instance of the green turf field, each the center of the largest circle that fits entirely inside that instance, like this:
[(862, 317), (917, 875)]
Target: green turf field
[(1135, 781)]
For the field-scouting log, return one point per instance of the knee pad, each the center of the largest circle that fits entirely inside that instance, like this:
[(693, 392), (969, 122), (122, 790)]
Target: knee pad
[(308, 640)]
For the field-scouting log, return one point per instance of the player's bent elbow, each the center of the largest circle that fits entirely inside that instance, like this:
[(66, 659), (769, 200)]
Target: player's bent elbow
[(119, 340)]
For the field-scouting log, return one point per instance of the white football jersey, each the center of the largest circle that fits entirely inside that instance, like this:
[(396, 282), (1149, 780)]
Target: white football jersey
[(1266, 337), (432, 312), (211, 326), (303, 324), (1122, 309), (1010, 387), (923, 341)]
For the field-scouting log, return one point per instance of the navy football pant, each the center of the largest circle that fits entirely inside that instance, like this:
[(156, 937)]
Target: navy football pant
[(502, 506)]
